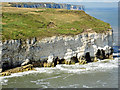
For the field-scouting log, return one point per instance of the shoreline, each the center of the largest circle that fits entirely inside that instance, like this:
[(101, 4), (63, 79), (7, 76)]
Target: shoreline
[(78, 69), (31, 67), (50, 50)]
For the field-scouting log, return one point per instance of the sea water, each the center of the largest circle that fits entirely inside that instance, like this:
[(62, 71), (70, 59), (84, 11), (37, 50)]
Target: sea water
[(101, 74)]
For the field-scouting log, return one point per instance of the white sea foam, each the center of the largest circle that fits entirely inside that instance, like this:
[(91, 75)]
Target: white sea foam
[(102, 65), (4, 82), (39, 70), (67, 76), (90, 67), (85, 86), (69, 86), (48, 78)]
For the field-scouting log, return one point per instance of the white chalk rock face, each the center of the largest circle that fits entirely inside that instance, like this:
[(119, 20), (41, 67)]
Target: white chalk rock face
[(50, 59), (63, 47), (69, 54), (26, 62)]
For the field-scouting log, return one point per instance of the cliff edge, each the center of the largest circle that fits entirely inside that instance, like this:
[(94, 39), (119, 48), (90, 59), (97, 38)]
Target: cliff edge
[(27, 23), (46, 35)]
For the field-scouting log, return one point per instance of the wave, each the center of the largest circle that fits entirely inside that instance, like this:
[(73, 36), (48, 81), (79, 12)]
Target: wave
[(90, 67), (101, 65)]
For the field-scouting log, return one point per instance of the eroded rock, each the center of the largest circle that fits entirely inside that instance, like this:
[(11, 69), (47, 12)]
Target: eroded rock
[(81, 62), (64, 47), (101, 54), (95, 59), (74, 60), (50, 59), (87, 57), (61, 61), (27, 61), (18, 69)]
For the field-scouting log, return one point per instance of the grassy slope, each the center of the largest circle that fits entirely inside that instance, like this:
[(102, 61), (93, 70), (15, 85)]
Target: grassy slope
[(23, 23)]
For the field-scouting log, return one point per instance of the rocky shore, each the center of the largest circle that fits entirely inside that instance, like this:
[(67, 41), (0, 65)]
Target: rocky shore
[(17, 69), (48, 52), (28, 67)]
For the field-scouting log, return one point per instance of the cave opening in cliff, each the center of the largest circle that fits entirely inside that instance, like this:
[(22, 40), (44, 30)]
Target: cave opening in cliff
[(74, 59), (5, 66), (87, 57), (101, 54)]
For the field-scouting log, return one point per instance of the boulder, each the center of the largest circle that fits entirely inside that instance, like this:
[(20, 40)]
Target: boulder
[(95, 59), (50, 59), (52, 65), (37, 64), (18, 69), (72, 62), (68, 62), (45, 64), (27, 66), (27, 61), (49, 64), (5, 74), (81, 58), (58, 62), (81, 62)]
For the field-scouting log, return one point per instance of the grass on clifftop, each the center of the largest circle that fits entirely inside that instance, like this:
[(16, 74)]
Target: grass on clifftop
[(23, 23)]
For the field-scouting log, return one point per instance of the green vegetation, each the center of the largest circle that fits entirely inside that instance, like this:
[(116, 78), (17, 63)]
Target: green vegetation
[(23, 23)]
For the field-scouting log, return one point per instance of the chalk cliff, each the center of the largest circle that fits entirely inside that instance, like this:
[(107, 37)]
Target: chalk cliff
[(15, 52)]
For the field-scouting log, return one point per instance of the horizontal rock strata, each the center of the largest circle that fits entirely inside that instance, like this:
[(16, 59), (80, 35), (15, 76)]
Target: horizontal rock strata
[(57, 49)]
